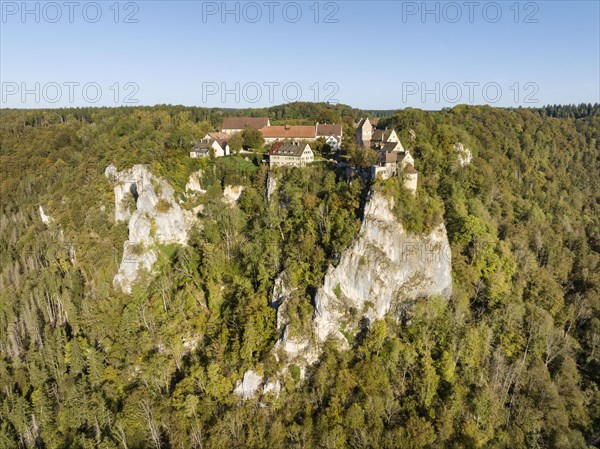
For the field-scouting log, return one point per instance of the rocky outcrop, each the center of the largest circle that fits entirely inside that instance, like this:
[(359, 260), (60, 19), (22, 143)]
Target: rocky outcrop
[(249, 384), (279, 301), (232, 193), (382, 271), (293, 346), (46, 219), (193, 185), (464, 154), (273, 387), (252, 383), (154, 218), (271, 185)]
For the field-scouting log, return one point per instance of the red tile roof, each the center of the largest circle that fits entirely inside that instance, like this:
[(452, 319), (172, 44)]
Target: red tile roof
[(332, 129), (243, 122), (277, 145), (218, 136), (289, 132)]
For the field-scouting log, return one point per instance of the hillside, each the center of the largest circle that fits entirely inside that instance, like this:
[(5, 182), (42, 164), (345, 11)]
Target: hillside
[(509, 359)]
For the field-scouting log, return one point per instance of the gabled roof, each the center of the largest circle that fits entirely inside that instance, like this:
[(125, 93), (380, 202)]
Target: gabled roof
[(401, 156), (362, 121), (391, 158), (387, 147), (381, 134), (203, 146), (289, 132), (220, 138), (390, 147), (218, 135), (243, 122), (287, 149), (331, 129), (396, 158)]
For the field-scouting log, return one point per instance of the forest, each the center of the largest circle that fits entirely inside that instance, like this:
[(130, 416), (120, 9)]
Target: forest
[(512, 360)]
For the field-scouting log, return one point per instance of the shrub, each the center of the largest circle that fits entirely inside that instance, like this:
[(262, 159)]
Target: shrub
[(337, 290), (163, 206)]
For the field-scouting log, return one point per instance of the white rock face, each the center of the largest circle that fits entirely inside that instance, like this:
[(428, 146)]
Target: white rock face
[(281, 293), (297, 346), (122, 193), (464, 154), (249, 385), (271, 185), (300, 350), (381, 270), (157, 218), (232, 193), (272, 387), (132, 265), (193, 184), (111, 172), (190, 342), (46, 219)]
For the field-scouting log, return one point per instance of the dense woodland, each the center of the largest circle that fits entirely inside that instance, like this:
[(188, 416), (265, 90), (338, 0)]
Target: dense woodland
[(512, 360)]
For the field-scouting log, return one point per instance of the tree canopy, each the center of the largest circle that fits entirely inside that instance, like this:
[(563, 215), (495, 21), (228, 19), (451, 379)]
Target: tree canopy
[(512, 360)]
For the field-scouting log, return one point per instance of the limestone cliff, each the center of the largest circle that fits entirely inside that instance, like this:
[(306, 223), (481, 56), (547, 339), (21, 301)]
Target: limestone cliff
[(381, 271), (463, 154), (271, 184), (154, 218)]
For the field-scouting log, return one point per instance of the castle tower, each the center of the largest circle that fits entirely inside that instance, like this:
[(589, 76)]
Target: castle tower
[(410, 179), (364, 132)]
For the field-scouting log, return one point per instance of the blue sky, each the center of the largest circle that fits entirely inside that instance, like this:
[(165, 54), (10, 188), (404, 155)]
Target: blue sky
[(371, 55)]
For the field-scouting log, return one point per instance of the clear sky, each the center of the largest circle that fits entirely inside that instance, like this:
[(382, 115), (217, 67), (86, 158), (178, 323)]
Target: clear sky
[(368, 54)]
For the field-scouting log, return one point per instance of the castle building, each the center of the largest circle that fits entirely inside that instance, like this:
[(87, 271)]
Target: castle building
[(410, 179), (238, 124), (393, 159), (332, 133), (287, 132), (364, 133), (293, 154), (218, 147)]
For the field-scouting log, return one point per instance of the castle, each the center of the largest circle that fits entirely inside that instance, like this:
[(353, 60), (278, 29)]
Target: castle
[(393, 159), (216, 142)]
